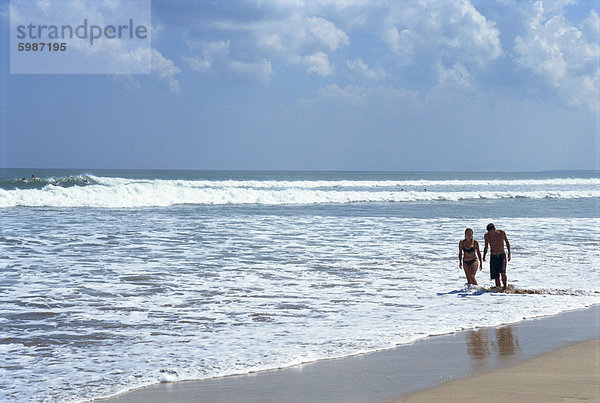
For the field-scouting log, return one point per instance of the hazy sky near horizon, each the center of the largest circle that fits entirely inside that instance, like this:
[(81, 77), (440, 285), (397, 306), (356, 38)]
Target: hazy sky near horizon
[(488, 85)]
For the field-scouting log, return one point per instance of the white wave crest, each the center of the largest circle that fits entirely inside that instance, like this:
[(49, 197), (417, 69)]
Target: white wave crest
[(312, 184), (125, 193)]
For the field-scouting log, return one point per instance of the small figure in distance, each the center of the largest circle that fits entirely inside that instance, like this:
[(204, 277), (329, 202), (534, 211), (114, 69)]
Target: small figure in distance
[(469, 262), (32, 176), (496, 238)]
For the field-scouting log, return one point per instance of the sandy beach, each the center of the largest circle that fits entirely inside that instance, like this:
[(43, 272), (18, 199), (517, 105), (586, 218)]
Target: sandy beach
[(550, 358), (569, 373)]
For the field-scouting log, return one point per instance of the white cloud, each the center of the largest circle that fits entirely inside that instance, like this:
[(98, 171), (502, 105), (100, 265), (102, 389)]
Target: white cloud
[(591, 26), (326, 33), (401, 42), (363, 69), (216, 56), (158, 29), (309, 33), (212, 52), (286, 31), (198, 63), (553, 7), (456, 76), (426, 43), (446, 33), (564, 56), (165, 69), (298, 39), (317, 63)]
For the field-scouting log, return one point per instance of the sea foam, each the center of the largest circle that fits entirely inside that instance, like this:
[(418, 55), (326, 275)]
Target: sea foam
[(125, 193)]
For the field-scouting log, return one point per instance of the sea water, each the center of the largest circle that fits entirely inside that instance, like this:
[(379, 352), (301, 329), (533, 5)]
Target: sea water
[(112, 280)]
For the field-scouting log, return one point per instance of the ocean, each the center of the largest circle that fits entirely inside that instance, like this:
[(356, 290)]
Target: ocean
[(116, 279)]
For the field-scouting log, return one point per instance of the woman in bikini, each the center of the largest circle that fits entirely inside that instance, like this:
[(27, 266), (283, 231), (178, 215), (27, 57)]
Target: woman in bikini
[(467, 248)]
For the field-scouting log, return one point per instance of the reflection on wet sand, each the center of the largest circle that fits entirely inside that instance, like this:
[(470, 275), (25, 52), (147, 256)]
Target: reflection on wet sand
[(480, 345), (507, 344), (477, 344)]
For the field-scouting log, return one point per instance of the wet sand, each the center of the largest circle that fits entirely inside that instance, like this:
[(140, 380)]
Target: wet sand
[(569, 373), (396, 373)]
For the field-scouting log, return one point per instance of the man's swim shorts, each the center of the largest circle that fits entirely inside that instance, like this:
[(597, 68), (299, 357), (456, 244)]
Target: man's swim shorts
[(497, 265)]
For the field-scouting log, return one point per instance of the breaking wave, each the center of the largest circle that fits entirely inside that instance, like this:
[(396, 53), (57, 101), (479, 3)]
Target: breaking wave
[(91, 191), (40, 183)]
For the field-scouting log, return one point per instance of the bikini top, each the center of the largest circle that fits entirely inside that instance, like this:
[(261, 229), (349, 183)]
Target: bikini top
[(470, 250)]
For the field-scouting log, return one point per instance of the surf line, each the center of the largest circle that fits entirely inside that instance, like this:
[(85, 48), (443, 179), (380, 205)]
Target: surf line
[(470, 290)]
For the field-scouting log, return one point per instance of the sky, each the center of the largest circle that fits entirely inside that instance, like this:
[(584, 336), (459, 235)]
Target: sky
[(429, 85)]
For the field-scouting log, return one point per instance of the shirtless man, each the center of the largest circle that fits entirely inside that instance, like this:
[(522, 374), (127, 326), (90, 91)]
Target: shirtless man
[(496, 239)]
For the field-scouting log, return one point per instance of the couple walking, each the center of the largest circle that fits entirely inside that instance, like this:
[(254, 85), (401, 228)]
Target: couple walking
[(469, 254)]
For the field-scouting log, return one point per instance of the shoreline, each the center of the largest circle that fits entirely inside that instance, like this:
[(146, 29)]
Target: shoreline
[(393, 373)]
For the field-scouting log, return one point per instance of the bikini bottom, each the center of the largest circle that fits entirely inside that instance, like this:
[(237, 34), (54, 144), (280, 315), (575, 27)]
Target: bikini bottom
[(469, 262)]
